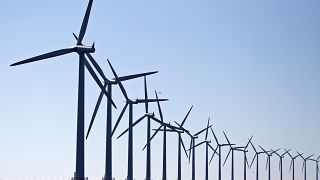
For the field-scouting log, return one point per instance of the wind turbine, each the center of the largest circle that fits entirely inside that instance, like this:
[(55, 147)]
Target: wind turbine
[(193, 149), (180, 141), (268, 163), (232, 149), (304, 166), (281, 156), (207, 143), (245, 160), (207, 148), (292, 162), (257, 162), (109, 83), (149, 117), (173, 129), (192, 137), (130, 128), (219, 146), (317, 167), (81, 50)]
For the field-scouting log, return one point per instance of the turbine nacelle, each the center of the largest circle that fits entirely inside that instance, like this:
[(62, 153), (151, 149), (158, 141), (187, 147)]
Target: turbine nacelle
[(84, 49)]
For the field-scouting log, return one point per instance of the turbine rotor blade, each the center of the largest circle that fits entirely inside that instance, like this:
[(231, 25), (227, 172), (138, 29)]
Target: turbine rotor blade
[(196, 145), (253, 147), (191, 142), (227, 157), (134, 76), (207, 128), (299, 154), (263, 149), (167, 125), (149, 100), (146, 94), (95, 77), (248, 142), (226, 138), (85, 22), (310, 156), (154, 134), (45, 56), (119, 83), (280, 164), (140, 119), (184, 148), (211, 158), (119, 118), (215, 152), (97, 67), (253, 160), (246, 159), (276, 150), (177, 123), (210, 147), (173, 128), (123, 90), (159, 107), (290, 155), (185, 118), (215, 137), (286, 151), (201, 131), (95, 111)]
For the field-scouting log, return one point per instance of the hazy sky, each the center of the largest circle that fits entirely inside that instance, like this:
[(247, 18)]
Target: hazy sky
[(253, 66)]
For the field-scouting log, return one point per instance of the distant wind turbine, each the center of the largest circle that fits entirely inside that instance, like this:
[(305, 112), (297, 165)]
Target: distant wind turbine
[(293, 158), (207, 143), (165, 126), (193, 149), (317, 167), (232, 149), (268, 163), (181, 142), (281, 156), (304, 166), (256, 156), (245, 160), (219, 146)]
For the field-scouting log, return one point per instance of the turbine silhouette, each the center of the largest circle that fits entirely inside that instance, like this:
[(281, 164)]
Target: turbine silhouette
[(81, 50)]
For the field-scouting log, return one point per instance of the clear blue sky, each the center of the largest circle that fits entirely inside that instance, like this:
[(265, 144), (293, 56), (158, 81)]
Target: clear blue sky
[(253, 66)]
